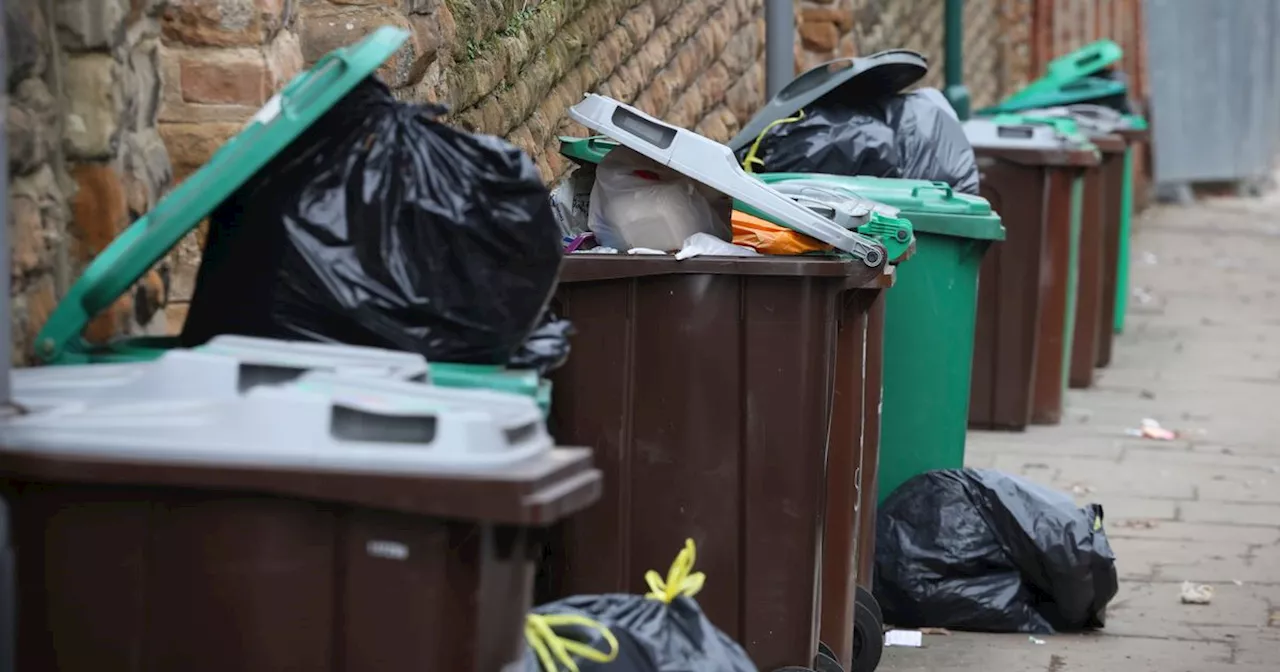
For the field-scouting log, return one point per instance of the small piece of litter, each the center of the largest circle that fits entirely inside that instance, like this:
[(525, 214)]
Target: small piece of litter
[(935, 631), (910, 638), (1151, 429), (1196, 594), (1079, 490), (1035, 640), (1147, 394), (1238, 582), (1136, 524)]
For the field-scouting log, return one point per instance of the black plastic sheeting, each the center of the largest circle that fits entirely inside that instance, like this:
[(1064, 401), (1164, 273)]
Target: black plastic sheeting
[(914, 135), (652, 636), (980, 550), (381, 226)]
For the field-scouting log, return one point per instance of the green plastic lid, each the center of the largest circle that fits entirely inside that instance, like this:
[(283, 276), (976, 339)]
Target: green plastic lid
[(590, 150), (302, 101), (932, 207), (1080, 91), (1087, 60), (1137, 122)]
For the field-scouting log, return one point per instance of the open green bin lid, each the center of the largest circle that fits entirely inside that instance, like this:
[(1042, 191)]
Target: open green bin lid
[(1080, 91), (1083, 62), (932, 207), (302, 101)]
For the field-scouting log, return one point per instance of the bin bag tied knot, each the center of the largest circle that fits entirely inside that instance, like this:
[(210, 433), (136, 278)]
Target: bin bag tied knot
[(556, 651)]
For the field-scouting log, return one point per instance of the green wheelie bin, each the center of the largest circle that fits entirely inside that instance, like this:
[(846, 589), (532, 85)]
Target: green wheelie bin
[(929, 321), (115, 270)]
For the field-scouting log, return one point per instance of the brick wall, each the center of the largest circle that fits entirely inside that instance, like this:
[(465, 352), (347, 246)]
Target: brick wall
[(113, 101)]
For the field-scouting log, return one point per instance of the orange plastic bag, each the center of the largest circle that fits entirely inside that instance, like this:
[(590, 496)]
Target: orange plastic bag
[(769, 238)]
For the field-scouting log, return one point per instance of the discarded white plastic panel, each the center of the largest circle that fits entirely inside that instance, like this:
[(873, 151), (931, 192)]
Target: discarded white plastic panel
[(225, 367), (322, 421), (714, 165)]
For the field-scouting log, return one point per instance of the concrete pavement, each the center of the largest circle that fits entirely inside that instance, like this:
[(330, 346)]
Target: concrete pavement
[(1201, 354)]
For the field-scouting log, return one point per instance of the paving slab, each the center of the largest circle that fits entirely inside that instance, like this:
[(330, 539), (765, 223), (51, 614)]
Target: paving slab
[(1201, 355)]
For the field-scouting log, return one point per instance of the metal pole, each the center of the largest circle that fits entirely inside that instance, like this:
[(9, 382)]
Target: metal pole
[(6, 321), (779, 44), (956, 91)]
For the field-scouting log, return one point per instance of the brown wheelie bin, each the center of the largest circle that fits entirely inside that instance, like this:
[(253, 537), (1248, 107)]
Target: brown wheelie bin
[(249, 564), (1026, 170), (707, 387), (1097, 222)]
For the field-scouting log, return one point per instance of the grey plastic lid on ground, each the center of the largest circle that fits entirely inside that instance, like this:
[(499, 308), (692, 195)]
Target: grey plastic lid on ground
[(883, 73), (714, 165), (987, 134)]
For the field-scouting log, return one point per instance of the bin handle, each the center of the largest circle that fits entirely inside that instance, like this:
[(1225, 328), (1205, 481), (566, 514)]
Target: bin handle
[(554, 651), (293, 97), (942, 188)]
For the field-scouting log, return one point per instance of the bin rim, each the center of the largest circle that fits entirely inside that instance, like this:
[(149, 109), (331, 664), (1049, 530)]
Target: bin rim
[(1034, 144), (931, 207), (594, 267), (884, 72), (285, 117)]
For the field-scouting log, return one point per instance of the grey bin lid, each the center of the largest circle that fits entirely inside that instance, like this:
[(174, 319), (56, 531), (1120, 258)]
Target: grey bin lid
[(225, 367), (1090, 118), (322, 421), (886, 72), (713, 164), (986, 134), (846, 208)]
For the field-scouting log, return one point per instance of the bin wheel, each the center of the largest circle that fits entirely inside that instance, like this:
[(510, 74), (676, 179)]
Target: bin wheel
[(826, 650), (792, 668), (864, 596), (824, 663), (868, 634)]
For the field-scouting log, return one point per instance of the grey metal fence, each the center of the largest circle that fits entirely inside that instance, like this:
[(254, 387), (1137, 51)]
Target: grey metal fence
[(1214, 74)]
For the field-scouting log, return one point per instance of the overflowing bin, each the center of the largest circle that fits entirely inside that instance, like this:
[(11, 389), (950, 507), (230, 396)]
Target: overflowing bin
[(114, 271), (335, 522), (708, 385), (1026, 174), (929, 321)]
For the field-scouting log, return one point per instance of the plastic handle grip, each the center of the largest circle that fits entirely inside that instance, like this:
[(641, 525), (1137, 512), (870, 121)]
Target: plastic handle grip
[(943, 189), (298, 93)]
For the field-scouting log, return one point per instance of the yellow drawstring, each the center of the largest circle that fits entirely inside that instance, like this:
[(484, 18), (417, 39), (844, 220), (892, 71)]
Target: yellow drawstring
[(749, 164), (681, 579), (554, 651)]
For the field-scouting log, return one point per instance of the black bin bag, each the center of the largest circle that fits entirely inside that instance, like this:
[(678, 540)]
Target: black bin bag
[(381, 226), (975, 549), (913, 135), (664, 631)]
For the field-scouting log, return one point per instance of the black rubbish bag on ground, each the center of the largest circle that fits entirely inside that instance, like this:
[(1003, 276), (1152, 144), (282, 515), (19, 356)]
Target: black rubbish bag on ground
[(381, 226), (914, 135), (664, 631), (975, 549)]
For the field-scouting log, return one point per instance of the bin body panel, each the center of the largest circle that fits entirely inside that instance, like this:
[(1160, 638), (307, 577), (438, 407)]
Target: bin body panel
[(707, 397), (193, 573), (1115, 176), (851, 408), (1008, 296), (1091, 263), (1134, 192), (1057, 297), (868, 496), (928, 353)]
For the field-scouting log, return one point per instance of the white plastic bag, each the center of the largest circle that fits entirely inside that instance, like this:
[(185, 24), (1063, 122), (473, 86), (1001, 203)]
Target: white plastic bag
[(638, 203)]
